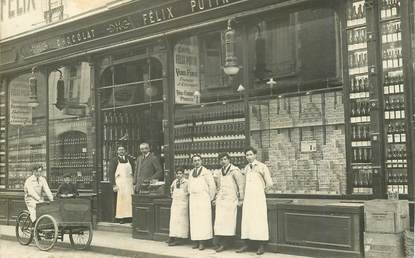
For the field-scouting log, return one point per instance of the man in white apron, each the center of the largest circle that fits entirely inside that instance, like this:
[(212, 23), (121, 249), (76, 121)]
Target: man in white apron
[(34, 186), (179, 212), (230, 195), (202, 191), (121, 177), (254, 210)]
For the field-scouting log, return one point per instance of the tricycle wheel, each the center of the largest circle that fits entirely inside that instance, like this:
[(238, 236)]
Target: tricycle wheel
[(81, 237), (24, 230), (46, 232)]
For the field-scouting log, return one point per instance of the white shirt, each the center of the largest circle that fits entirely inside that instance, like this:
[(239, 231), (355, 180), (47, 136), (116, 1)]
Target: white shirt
[(33, 188)]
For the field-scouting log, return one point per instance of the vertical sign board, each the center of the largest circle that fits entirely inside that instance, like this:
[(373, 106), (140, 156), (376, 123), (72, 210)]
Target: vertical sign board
[(20, 111), (186, 70)]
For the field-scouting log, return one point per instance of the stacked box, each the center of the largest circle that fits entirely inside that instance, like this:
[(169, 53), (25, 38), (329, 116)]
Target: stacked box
[(385, 220), (387, 216), (409, 243), (379, 245)]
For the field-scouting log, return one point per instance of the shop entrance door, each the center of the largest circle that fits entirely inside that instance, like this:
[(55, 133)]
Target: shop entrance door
[(132, 111)]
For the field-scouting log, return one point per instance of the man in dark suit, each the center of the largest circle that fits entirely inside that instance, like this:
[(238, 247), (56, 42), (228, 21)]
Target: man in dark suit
[(148, 167), (121, 170)]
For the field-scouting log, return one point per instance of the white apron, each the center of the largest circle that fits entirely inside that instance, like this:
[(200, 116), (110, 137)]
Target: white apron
[(254, 210), (124, 182), (179, 213), (200, 206), (226, 206)]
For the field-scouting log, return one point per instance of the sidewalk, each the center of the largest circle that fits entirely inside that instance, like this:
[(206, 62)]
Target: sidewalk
[(122, 244)]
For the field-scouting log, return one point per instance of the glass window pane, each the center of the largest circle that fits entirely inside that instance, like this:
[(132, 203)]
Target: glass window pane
[(70, 136), (26, 131), (298, 46)]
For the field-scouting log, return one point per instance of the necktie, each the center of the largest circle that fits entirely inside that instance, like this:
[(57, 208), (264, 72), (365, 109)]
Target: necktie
[(251, 166), (196, 173), (37, 179)]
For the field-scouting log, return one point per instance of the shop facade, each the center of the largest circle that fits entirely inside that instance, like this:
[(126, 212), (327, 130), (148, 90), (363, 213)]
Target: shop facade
[(320, 88)]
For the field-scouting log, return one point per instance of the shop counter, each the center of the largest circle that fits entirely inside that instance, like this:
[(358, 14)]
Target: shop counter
[(322, 228)]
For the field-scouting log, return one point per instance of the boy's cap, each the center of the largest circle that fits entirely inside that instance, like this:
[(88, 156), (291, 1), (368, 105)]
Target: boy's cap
[(67, 175)]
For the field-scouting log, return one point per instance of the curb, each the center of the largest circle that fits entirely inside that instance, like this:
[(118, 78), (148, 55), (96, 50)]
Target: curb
[(106, 250)]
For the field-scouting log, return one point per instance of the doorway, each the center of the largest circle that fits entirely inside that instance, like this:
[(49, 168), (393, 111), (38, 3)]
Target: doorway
[(132, 112)]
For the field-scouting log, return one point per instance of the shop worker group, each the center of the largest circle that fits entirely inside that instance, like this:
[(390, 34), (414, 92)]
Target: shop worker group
[(195, 195), (204, 206)]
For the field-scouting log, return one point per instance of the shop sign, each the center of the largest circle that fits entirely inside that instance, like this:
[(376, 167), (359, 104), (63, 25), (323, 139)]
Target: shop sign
[(20, 111), (186, 70), (308, 146), (136, 20)]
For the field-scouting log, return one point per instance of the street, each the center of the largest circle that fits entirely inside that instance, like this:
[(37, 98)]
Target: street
[(12, 249)]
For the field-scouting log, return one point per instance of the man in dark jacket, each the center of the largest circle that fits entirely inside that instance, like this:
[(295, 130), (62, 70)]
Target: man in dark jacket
[(148, 167)]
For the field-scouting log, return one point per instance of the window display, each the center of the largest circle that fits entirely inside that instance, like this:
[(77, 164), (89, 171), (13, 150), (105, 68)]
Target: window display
[(302, 140), (70, 137), (26, 136), (394, 98), (361, 161)]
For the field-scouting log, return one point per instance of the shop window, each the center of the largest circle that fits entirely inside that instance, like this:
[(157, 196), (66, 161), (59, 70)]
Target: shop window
[(198, 66), (300, 49), (72, 93), (211, 57), (303, 144), (71, 140), (26, 132), (132, 84)]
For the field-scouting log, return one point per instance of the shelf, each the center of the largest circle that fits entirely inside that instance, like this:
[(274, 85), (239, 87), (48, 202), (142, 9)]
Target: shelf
[(361, 164), (360, 143), (71, 167), (389, 19), (359, 119), (391, 69), (359, 95), (355, 23), (357, 46), (358, 70)]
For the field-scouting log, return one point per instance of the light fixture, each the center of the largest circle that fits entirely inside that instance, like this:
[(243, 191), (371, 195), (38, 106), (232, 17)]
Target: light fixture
[(60, 92), (33, 101), (231, 62)]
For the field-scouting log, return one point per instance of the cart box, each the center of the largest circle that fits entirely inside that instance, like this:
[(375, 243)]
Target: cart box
[(384, 245), (67, 210), (386, 216)]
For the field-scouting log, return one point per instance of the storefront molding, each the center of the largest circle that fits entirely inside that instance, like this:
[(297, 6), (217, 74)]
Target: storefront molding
[(49, 52)]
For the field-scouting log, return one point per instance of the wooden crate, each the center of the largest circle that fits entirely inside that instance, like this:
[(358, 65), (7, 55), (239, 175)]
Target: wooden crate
[(386, 216), (384, 245)]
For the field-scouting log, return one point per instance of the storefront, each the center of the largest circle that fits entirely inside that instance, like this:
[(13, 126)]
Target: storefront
[(320, 88)]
